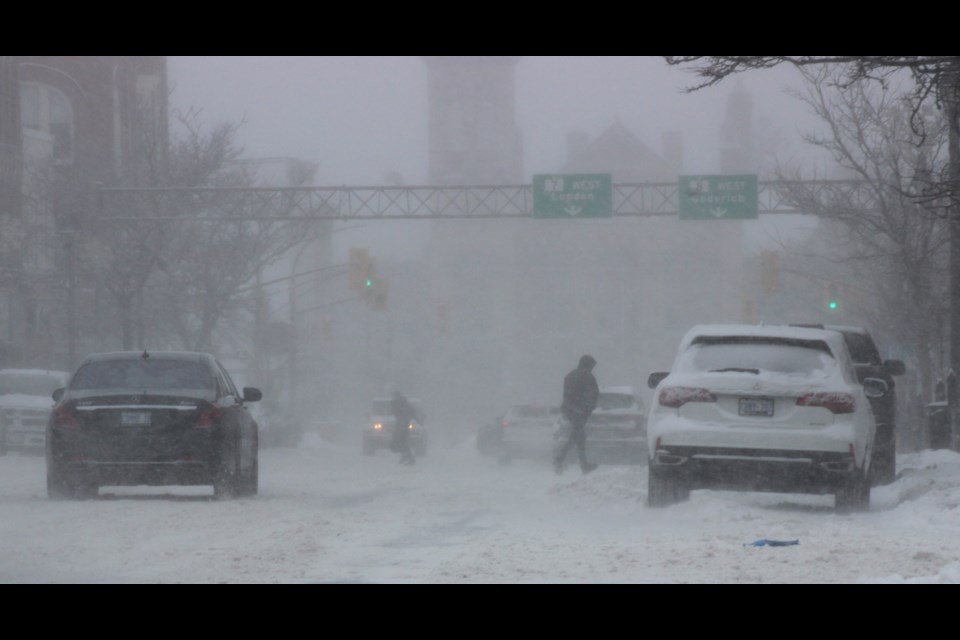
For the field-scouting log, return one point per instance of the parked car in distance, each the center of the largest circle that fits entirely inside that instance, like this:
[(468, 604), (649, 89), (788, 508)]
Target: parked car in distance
[(616, 430), (762, 408), (524, 431), (490, 436), (380, 423), (152, 418), (868, 363), (25, 403)]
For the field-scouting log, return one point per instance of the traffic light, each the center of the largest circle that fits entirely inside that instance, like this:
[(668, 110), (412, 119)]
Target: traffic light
[(360, 269), (833, 300)]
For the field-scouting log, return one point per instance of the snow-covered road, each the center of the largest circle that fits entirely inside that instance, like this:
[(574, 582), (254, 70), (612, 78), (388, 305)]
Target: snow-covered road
[(326, 513)]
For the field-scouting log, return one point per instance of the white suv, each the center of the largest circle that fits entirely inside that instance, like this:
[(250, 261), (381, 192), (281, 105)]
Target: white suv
[(761, 408), (26, 397)]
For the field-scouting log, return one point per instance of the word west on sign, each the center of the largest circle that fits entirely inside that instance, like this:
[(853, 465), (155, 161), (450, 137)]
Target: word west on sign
[(573, 196), (719, 197)]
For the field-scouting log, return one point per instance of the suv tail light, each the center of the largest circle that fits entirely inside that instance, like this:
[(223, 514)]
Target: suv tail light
[(835, 401), (676, 397), (63, 416), (209, 416)]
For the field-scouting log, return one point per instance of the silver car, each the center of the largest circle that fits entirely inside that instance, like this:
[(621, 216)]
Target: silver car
[(26, 397)]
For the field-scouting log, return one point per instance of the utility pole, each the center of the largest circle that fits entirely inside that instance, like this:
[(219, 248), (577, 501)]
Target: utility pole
[(950, 91), (292, 364)]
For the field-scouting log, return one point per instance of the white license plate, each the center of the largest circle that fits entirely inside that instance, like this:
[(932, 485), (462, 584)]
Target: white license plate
[(134, 418), (756, 407)]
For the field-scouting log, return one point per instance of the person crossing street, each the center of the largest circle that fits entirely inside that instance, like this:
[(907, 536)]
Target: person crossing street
[(580, 393)]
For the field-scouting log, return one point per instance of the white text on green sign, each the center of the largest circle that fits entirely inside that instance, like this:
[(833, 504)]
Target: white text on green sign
[(572, 196), (719, 197)]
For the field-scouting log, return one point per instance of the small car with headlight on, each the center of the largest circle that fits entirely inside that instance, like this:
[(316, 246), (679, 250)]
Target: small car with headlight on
[(380, 424)]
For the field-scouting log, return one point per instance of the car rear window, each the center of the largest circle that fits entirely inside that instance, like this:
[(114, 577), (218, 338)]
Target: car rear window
[(615, 401), (530, 412), (142, 375), (385, 407), (757, 353)]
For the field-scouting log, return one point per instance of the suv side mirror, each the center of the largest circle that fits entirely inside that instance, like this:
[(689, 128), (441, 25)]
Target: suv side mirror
[(57, 394), (874, 387), (894, 367), (656, 377), (251, 394)]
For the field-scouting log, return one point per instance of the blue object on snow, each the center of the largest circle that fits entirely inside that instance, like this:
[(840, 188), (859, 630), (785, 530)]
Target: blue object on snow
[(763, 542)]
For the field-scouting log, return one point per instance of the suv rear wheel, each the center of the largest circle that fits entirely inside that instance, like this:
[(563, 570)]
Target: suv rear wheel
[(663, 489), (884, 467), (227, 481), (854, 495)]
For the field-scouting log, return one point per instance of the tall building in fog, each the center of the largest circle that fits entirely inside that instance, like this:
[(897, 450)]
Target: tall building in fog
[(511, 304), (473, 136), (10, 148), (737, 152), (67, 125)]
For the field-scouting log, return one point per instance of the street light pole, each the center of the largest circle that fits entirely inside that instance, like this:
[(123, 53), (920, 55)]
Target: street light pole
[(292, 364)]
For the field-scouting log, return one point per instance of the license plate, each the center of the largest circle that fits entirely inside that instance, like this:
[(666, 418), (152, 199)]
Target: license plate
[(756, 407), (134, 418)]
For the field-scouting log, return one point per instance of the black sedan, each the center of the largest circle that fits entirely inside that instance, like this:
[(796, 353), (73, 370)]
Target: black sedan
[(152, 418)]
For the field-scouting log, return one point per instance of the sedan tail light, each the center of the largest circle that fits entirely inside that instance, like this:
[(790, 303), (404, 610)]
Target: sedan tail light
[(63, 416), (676, 397), (835, 401), (209, 416)]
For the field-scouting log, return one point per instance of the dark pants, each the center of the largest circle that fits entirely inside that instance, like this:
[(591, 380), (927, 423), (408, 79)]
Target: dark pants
[(578, 437), (401, 444)]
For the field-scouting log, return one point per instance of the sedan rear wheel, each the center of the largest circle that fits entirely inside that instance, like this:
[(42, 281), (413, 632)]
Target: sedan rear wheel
[(57, 488), (226, 481), (251, 480)]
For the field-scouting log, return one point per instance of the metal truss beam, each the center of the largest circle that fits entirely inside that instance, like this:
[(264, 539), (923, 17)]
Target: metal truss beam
[(432, 202)]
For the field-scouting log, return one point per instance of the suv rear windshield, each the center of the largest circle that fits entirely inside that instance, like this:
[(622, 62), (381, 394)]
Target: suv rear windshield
[(521, 411), (142, 375), (756, 353)]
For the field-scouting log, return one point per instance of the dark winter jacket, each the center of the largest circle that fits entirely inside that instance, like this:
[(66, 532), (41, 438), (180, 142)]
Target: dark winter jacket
[(403, 411), (580, 391)]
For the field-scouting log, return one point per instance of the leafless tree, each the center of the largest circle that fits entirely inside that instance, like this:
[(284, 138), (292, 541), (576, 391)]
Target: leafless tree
[(897, 246), (172, 259), (935, 85)]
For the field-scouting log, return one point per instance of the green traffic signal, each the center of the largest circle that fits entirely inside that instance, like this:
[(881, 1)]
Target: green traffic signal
[(832, 298)]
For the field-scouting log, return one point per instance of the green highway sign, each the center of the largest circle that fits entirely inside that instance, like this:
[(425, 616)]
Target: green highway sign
[(718, 197), (573, 196)]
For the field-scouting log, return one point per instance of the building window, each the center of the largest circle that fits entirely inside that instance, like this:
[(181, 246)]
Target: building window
[(45, 108)]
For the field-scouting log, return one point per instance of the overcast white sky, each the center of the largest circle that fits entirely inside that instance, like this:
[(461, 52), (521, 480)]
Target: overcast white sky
[(363, 117)]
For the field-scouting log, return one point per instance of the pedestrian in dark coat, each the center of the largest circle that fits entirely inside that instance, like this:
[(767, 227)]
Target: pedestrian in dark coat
[(403, 415), (580, 392)]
